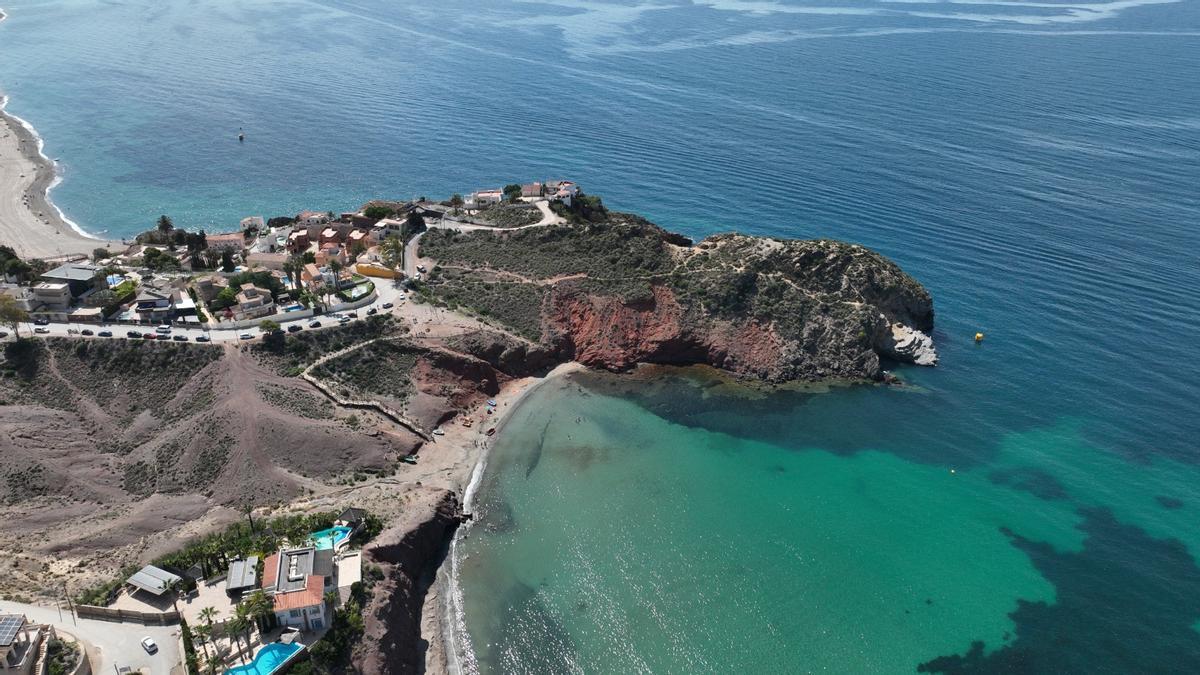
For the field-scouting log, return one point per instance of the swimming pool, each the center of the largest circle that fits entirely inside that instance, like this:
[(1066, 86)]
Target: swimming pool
[(331, 538), (268, 659)]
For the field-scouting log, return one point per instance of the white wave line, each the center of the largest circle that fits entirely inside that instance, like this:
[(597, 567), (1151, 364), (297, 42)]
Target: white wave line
[(41, 144)]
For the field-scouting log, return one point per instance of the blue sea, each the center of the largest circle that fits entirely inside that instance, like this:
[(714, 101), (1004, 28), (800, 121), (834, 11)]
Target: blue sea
[(1030, 505)]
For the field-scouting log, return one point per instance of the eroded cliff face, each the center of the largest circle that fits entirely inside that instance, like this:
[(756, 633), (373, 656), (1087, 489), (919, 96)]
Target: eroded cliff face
[(408, 555), (763, 309), (614, 294)]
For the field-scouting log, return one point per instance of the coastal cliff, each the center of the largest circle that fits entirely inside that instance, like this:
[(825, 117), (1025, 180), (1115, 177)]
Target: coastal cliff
[(406, 556), (614, 294)]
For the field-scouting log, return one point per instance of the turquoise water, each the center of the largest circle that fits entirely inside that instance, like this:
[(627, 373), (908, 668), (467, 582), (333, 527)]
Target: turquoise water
[(330, 538), (267, 659), (1034, 164)]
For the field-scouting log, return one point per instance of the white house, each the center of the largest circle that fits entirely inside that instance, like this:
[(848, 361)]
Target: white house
[(297, 579)]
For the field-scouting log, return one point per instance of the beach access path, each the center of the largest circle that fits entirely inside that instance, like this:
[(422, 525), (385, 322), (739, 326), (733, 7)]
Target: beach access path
[(28, 221)]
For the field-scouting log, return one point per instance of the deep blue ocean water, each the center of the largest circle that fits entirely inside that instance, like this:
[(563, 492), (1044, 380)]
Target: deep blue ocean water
[(1034, 164)]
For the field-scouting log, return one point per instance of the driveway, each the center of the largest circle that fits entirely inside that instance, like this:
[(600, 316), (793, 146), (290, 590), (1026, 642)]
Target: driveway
[(117, 645)]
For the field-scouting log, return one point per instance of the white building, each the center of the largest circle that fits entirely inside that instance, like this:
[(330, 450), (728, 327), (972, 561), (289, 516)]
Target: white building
[(297, 579)]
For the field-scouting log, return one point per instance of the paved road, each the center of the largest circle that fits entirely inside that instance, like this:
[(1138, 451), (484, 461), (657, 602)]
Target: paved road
[(385, 289), (118, 644)]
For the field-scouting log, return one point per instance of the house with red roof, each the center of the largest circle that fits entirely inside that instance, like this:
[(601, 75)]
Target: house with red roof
[(297, 579)]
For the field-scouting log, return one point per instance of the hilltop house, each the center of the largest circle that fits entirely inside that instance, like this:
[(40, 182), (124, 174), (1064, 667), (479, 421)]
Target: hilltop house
[(19, 643), (532, 190), (296, 579), (252, 302), (211, 286), (310, 219), (52, 296), (482, 198), (562, 191), (79, 277), (154, 304), (229, 241)]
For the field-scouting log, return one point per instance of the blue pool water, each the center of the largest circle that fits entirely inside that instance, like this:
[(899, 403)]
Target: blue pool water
[(267, 659), (1033, 163), (330, 538)]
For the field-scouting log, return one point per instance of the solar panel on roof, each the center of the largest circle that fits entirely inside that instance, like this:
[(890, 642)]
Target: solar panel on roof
[(9, 627)]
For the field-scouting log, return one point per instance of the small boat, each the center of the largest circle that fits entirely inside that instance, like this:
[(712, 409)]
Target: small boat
[(241, 136), (491, 403), (491, 432), (409, 459), (438, 432)]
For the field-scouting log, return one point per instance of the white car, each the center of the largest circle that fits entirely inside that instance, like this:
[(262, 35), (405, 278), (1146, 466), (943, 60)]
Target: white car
[(149, 645), (163, 329), (245, 336)]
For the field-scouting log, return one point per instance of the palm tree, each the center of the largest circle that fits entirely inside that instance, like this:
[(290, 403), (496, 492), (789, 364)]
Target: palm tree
[(392, 252), (332, 598), (204, 632), (234, 628), (259, 607), (456, 201), (165, 224), (336, 267)]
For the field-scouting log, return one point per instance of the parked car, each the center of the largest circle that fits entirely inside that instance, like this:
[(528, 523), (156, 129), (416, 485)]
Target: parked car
[(203, 338), (245, 336), (86, 331), (295, 328), (180, 338), (353, 315), (3, 333), (41, 329), (132, 334), (314, 324), (149, 336), (163, 329), (372, 312), (388, 305), (344, 320), (41, 322), (105, 333), (149, 645)]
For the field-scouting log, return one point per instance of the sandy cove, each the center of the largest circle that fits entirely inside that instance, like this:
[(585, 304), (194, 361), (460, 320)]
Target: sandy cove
[(29, 222)]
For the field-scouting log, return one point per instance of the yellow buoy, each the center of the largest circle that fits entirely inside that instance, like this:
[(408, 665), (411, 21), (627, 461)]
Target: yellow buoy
[(979, 337)]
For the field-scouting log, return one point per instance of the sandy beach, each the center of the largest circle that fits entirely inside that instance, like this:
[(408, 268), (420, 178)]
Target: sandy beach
[(28, 221)]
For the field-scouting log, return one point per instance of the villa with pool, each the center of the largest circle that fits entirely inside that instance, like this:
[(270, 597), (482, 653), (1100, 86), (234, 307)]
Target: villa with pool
[(297, 579)]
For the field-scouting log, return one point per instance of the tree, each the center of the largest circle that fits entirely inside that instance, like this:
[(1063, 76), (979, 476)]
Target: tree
[(235, 627), (456, 202), (99, 254), (332, 598), (357, 249), (164, 224), (414, 224), (227, 261), (392, 252), (204, 632), (378, 212), (336, 267), (12, 315), (512, 192), (268, 326), (259, 607)]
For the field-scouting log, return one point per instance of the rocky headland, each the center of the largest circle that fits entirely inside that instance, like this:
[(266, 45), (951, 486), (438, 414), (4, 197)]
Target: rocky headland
[(615, 294)]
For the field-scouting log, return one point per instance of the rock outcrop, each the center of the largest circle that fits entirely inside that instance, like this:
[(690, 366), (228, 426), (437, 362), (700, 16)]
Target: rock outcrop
[(615, 294), (408, 555)]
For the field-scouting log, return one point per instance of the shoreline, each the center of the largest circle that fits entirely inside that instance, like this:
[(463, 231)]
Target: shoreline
[(30, 221), (442, 616)]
